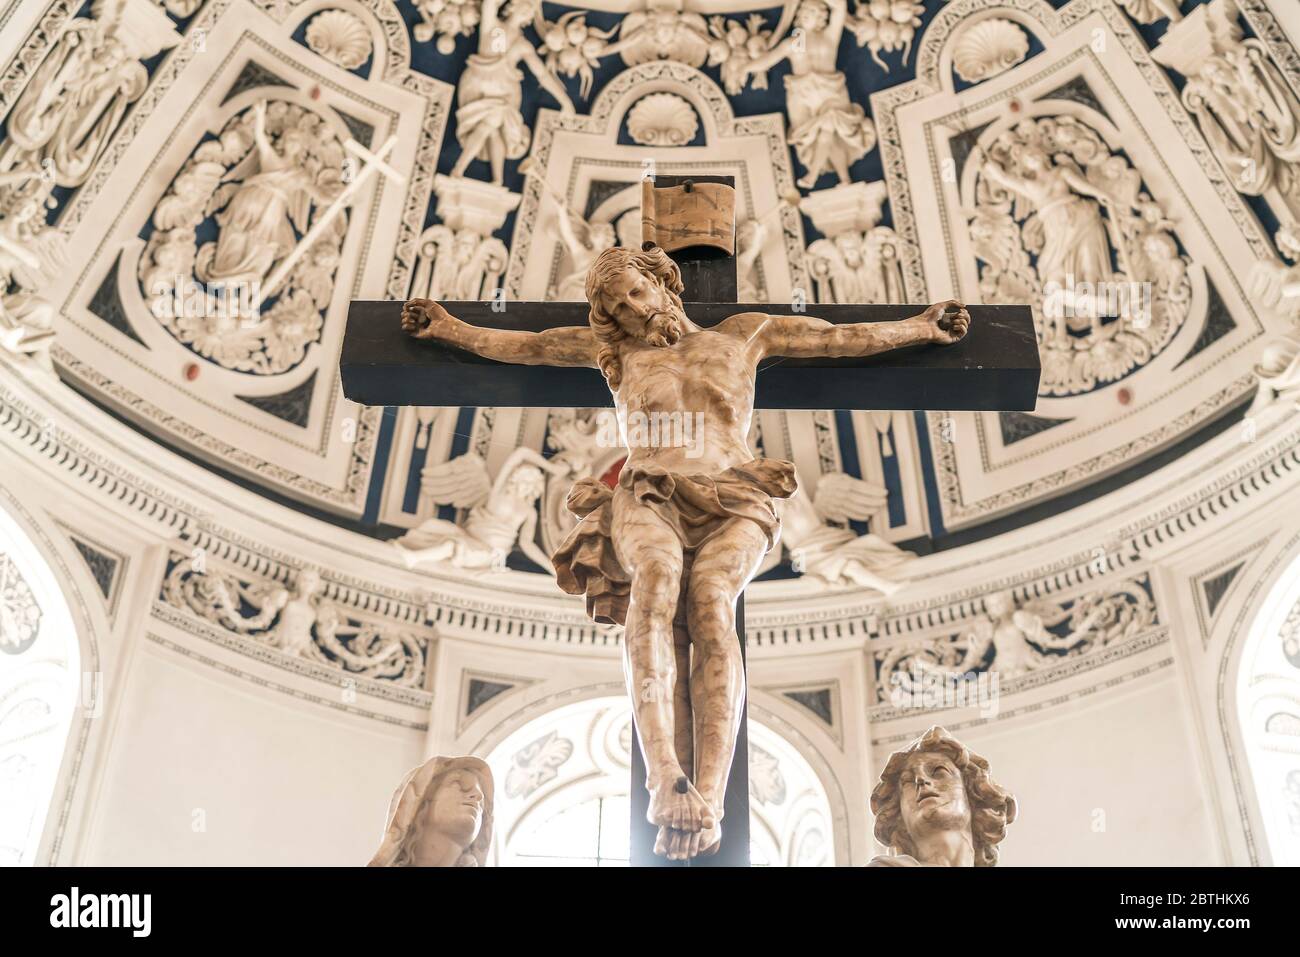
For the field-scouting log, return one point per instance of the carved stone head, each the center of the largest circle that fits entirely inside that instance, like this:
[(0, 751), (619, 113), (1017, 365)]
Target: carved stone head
[(850, 247), (519, 13), (526, 483), (307, 584), (936, 788), (813, 15), (1000, 604), (293, 144), (440, 816), (1032, 159)]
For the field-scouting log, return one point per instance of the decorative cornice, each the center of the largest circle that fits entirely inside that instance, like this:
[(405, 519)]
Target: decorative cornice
[(535, 619)]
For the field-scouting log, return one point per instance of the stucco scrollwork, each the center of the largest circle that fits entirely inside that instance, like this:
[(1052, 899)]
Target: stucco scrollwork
[(20, 614), (1243, 105), (1013, 638), (300, 621), (30, 255)]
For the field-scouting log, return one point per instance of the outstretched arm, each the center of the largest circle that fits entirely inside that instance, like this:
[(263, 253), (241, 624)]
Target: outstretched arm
[(769, 59), (547, 80), (565, 346), (805, 337)]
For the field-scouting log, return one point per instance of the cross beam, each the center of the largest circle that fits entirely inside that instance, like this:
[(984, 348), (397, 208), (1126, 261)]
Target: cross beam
[(995, 367)]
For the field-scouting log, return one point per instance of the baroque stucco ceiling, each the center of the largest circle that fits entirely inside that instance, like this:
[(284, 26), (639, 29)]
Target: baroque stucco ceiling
[(941, 104)]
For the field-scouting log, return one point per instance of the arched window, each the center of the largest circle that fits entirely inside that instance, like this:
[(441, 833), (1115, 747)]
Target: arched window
[(562, 793), (1268, 696), (39, 665)]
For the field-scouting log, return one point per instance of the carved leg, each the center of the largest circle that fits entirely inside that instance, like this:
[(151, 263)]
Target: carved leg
[(470, 150), (683, 724), (817, 163), (497, 158), (432, 553), (839, 162), (719, 573), (649, 547)]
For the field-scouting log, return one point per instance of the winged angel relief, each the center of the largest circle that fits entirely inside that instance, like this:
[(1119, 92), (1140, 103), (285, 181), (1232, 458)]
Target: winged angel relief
[(1060, 221), (260, 182), (501, 512), (299, 621), (1013, 640)]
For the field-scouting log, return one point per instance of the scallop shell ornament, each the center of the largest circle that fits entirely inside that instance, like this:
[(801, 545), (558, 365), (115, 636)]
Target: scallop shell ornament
[(662, 119), (988, 48), (341, 38)]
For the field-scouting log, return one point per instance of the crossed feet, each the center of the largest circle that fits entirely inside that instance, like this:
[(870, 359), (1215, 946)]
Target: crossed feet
[(689, 824)]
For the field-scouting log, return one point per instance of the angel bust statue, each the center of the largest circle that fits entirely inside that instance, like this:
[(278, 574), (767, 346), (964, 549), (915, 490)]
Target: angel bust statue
[(937, 806), (502, 512), (440, 816)]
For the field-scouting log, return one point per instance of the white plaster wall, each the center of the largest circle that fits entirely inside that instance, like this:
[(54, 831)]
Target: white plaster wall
[(1108, 780), (278, 781)]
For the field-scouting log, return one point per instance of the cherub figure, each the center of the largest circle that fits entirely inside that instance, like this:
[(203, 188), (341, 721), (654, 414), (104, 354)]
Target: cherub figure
[(585, 241), (827, 129), (271, 197), (1018, 637), (502, 513), (292, 632), (489, 123), (661, 31)]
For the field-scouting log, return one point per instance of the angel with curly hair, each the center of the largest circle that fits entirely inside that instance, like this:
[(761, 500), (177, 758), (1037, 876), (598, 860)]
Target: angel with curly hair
[(936, 806)]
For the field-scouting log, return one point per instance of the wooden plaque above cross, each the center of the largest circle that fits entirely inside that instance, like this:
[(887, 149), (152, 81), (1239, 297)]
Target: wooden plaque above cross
[(669, 549)]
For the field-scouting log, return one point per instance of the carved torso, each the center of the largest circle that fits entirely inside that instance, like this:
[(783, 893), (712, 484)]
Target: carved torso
[(705, 380)]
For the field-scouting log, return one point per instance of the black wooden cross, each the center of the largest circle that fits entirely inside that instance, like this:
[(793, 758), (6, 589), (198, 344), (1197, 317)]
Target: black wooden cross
[(995, 367)]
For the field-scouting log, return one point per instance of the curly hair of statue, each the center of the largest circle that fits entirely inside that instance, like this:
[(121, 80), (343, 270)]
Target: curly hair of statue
[(992, 807)]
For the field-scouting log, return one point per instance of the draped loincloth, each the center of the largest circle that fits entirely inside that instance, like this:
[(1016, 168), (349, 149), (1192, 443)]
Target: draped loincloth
[(695, 507)]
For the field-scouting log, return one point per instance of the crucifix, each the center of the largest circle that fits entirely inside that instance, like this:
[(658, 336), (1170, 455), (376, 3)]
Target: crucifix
[(668, 551)]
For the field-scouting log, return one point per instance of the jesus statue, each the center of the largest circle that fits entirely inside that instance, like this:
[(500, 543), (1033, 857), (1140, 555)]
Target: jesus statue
[(668, 551)]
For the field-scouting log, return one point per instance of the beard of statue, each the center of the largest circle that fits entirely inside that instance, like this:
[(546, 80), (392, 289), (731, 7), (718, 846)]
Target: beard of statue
[(664, 329)]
